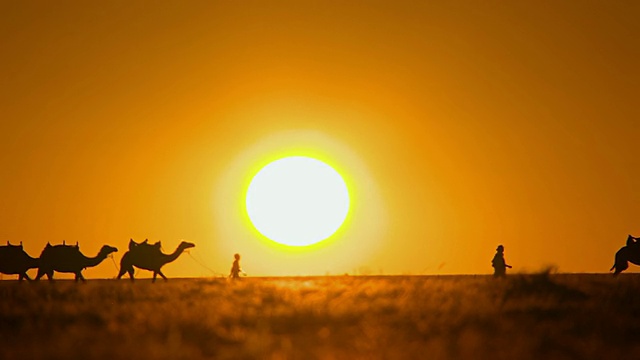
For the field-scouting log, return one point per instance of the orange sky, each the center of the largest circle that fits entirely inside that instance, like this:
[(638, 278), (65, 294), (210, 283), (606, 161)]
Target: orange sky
[(462, 125)]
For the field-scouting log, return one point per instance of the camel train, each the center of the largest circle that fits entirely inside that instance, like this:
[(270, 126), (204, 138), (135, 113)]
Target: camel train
[(69, 259)]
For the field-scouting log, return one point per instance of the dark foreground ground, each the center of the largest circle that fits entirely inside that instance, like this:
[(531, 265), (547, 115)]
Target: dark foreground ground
[(423, 317)]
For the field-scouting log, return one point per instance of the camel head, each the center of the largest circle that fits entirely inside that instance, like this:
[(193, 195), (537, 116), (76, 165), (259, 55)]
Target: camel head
[(186, 245), (106, 250)]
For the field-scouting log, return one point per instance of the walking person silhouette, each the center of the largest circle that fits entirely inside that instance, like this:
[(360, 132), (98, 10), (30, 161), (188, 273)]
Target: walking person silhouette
[(235, 268), (498, 263)]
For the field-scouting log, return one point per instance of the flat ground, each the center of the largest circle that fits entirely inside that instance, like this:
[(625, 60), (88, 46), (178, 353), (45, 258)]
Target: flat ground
[(397, 317)]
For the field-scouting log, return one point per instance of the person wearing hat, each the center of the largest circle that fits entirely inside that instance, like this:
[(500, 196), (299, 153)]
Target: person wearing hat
[(498, 263)]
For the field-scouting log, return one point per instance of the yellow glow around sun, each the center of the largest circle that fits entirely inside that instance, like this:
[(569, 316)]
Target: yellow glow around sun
[(297, 201)]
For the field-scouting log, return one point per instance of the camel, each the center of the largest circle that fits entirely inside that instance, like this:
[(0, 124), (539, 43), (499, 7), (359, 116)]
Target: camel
[(149, 257), (69, 259), (14, 260), (626, 254)]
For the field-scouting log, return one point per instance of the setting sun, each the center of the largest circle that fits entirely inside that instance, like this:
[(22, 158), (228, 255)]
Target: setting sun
[(297, 201)]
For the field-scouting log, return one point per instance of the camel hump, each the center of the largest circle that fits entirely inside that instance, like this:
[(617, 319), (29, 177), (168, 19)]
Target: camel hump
[(145, 247), (67, 247), (61, 254), (10, 245), (134, 245), (11, 250), (61, 250)]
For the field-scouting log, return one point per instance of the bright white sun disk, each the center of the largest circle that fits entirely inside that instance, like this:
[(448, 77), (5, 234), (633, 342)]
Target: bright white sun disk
[(297, 201)]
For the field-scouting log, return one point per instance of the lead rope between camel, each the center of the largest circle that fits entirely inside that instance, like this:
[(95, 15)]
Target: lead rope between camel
[(203, 265), (117, 267), (114, 262)]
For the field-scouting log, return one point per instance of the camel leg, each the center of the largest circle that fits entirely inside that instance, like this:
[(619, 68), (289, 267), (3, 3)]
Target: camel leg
[(161, 274), (40, 274), (122, 272), (80, 277), (20, 277), (26, 276), (155, 274), (126, 267), (620, 266)]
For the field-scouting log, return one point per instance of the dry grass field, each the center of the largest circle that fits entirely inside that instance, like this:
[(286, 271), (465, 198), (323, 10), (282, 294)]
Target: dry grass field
[(538, 316)]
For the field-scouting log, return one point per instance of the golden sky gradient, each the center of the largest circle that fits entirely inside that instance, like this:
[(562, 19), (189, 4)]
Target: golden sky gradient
[(460, 125)]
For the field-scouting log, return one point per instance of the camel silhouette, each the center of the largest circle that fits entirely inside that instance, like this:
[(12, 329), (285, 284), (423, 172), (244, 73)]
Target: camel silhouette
[(624, 256), (69, 259), (149, 257), (14, 260)]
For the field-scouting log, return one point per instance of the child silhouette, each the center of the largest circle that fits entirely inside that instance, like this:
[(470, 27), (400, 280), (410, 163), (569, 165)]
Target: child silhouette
[(235, 268)]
